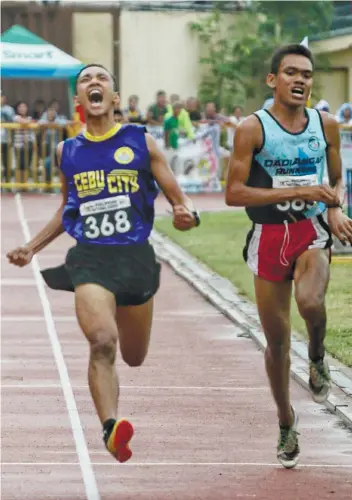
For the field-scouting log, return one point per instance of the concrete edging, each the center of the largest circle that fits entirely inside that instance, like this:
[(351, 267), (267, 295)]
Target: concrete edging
[(225, 297)]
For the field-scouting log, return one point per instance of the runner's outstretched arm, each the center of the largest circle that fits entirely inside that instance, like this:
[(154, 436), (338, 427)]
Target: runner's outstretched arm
[(22, 256), (183, 209), (248, 139)]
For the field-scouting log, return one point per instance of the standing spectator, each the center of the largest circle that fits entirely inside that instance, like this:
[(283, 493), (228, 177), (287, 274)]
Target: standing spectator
[(269, 101), (132, 112), (234, 120), (193, 111), (344, 114), (38, 109), (7, 115), (172, 127), (50, 138), (212, 117), (24, 140), (183, 118), (323, 106), (157, 111)]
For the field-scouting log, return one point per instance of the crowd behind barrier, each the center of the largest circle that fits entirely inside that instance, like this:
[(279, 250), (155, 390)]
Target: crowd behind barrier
[(29, 161)]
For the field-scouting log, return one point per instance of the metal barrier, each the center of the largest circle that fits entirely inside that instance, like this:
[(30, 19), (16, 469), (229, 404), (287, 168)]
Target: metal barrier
[(28, 156)]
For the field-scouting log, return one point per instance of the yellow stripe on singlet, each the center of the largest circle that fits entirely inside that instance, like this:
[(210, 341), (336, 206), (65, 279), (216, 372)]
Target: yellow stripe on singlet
[(99, 138)]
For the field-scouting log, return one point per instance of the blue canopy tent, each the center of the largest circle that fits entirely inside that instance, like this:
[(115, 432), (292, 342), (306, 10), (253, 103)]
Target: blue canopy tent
[(25, 55)]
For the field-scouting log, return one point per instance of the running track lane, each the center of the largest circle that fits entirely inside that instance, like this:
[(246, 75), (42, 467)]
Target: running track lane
[(205, 422)]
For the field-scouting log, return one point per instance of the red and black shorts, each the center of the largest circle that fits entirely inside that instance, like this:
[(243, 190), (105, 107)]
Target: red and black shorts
[(271, 250)]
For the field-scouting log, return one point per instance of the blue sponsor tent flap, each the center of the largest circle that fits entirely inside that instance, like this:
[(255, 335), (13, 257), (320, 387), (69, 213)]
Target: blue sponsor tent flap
[(25, 55)]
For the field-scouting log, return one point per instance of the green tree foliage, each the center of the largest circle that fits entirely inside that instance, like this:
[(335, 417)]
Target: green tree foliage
[(236, 49)]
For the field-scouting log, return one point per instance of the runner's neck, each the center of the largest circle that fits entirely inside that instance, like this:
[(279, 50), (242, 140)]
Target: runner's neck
[(293, 119)]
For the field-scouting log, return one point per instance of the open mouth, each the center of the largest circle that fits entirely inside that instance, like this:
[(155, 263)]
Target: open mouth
[(95, 96), (297, 91)]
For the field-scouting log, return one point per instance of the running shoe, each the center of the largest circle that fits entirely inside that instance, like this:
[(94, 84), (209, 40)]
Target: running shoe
[(319, 380), (288, 448), (117, 441)]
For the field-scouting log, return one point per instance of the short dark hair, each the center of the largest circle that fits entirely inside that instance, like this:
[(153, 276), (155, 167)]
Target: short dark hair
[(296, 49), (93, 65)]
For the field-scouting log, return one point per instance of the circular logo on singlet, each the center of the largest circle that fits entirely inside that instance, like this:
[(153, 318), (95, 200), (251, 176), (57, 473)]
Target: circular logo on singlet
[(124, 155), (314, 143)]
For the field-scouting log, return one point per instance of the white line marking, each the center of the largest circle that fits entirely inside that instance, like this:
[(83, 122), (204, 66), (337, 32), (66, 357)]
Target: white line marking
[(21, 319), (181, 464), (17, 282), (91, 487), (140, 387)]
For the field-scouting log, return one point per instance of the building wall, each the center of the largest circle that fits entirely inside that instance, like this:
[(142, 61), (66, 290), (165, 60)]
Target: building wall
[(93, 38), (54, 26), (158, 52), (335, 86)]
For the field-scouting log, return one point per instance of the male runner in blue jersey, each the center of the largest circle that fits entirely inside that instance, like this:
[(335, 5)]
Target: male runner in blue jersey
[(109, 175), (276, 172)]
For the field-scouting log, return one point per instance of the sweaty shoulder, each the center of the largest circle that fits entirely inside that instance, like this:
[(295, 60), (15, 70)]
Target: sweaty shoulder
[(250, 131), (151, 142), (59, 149)]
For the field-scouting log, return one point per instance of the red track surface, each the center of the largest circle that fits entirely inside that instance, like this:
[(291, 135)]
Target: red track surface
[(205, 423)]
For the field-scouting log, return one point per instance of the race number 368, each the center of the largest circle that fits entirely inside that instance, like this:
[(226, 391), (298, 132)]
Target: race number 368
[(294, 206), (106, 224)]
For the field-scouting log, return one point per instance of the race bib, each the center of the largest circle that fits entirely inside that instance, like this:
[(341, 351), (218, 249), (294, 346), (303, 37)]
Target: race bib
[(103, 218), (286, 181)]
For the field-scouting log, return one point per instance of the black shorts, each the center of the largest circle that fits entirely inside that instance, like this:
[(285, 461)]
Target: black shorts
[(130, 272)]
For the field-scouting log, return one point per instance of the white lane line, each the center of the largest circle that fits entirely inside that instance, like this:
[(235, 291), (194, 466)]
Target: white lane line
[(181, 464), (141, 387), (90, 483), (26, 319), (17, 282)]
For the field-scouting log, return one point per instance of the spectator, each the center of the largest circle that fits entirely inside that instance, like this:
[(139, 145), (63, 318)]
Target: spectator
[(344, 114), (7, 115), (269, 101), (323, 106), (172, 127), (24, 139), (50, 138), (132, 112), (119, 116), (193, 111), (183, 118), (55, 105), (157, 111), (234, 120), (38, 109)]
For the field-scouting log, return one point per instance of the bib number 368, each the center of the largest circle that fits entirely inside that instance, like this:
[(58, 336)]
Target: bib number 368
[(109, 224)]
